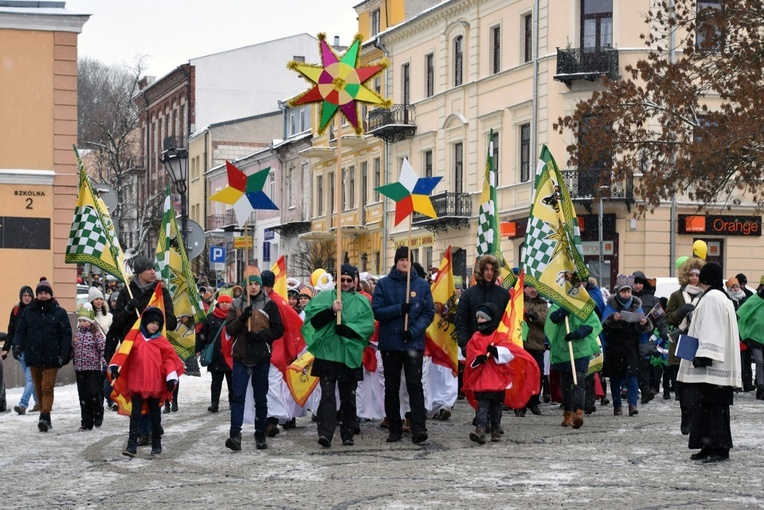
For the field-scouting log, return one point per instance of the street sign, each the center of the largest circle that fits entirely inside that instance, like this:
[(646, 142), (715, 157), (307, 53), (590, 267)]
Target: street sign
[(219, 266), (242, 242), (217, 254)]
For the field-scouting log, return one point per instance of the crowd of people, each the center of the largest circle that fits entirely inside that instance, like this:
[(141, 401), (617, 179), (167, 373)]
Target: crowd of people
[(367, 339)]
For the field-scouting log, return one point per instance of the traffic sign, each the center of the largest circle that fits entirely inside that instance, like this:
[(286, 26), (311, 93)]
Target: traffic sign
[(219, 266), (217, 254), (242, 242)]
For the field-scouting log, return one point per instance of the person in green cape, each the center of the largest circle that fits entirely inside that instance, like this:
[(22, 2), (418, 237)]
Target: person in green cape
[(338, 349), (751, 325)]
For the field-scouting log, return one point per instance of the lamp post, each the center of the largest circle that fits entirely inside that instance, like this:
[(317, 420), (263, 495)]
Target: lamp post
[(175, 161), (602, 189)]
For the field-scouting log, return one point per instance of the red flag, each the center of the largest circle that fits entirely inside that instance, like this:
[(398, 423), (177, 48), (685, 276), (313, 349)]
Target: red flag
[(440, 337), (287, 348)]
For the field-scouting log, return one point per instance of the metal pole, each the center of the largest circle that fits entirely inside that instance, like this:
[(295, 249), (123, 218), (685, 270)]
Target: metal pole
[(602, 244)]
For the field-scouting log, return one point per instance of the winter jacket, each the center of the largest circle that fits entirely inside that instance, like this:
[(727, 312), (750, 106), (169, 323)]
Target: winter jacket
[(535, 341), (586, 347), (389, 295), (44, 334), (123, 320), (210, 332), (622, 339), (481, 292), (647, 296), (254, 347), (87, 349), (674, 318)]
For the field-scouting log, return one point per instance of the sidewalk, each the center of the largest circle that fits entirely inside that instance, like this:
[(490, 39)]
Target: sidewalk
[(613, 462)]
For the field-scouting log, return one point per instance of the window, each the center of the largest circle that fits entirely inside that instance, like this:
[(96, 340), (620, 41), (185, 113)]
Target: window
[(405, 82), (320, 195), (458, 167), (299, 58), (332, 202), (428, 163), (458, 60), (495, 50), (364, 183), (596, 23), (528, 37), (590, 177), (351, 187), (344, 189), (494, 148), (377, 178), (271, 183), (708, 36), (525, 153), (429, 73), (374, 22), (291, 185), (378, 85)]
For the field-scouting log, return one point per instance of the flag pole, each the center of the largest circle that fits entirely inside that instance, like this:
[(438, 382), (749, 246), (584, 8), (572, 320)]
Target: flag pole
[(570, 351), (338, 207), (246, 266), (408, 277)]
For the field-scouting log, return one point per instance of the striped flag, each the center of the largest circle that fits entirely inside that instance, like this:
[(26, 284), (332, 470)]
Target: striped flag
[(173, 267), (92, 239), (279, 269), (440, 337), (553, 260), (488, 232), (512, 320)]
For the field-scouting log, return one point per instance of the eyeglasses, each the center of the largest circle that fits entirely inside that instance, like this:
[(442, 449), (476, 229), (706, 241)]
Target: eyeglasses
[(346, 280)]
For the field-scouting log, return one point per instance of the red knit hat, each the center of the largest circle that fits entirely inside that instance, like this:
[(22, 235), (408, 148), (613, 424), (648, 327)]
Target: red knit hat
[(225, 299)]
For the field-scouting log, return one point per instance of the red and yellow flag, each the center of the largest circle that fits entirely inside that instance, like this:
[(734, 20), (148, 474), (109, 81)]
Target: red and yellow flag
[(119, 386), (301, 383), (440, 337), (279, 269), (512, 320)]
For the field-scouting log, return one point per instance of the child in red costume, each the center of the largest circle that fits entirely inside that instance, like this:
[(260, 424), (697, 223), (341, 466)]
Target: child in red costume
[(487, 373), (151, 372)]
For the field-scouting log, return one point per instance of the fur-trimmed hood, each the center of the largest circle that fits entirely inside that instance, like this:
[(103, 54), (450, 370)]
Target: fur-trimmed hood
[(684, 270)]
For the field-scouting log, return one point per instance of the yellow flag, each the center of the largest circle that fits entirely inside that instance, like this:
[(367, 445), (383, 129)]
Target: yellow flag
[(512, 320), (440, 336)]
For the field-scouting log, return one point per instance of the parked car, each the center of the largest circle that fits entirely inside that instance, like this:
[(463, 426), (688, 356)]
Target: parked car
[(82, 294)]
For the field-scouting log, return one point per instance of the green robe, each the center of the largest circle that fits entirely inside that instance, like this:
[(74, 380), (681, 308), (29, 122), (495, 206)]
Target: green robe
[(750, 321), (325, 343)]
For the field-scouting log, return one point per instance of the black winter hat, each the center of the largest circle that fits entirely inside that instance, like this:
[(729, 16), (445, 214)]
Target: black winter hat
[(268, 277), (489, 310), (44, 285), (141, 264), (742, 279), (402, 253), (349, 270), (152, 314), (26, 289), (712, 274)]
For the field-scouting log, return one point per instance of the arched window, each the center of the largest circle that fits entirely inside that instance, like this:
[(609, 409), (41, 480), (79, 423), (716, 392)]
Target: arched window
[(458, 60)]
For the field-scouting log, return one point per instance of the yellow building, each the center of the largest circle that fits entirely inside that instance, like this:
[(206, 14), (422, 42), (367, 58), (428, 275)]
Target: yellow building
[(38, 169)]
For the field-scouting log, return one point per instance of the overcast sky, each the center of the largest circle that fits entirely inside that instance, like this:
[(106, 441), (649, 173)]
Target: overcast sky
[(170, 32)]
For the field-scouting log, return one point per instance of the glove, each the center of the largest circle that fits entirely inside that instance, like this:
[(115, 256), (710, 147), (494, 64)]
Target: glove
[(479, 360), (246, 313), (132, 305), (171, 385), (5, 355), (16, 350), (463, 348), (405, 308), (685, 309), (580, 333), (114, 372), (559, 315), (492, 350), (701, 362), (407, 336), (344, 330), (531, 315), (760, 292)]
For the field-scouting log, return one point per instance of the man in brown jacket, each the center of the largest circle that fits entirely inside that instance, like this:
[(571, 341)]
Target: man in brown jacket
[(535, 317)]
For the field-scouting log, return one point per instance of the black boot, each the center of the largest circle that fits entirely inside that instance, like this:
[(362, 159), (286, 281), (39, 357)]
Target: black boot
[(131, 450), (260, 441), (156, 444), (760, 392), (44, 424), (234, 441), (166, 407)]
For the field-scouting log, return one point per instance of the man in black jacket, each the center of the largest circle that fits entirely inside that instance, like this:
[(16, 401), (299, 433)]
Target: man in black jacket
[(44, 336), (254, 322)]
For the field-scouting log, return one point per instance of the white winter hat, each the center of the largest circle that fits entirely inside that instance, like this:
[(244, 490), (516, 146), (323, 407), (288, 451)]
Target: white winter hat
[(94, 293)]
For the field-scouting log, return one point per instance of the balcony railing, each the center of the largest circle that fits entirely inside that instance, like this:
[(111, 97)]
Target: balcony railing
[(586, 64), (393, 124), (453, 210), (583, 186)]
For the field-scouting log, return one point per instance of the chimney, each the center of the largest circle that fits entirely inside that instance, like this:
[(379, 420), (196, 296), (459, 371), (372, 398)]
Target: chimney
[(336, 41)]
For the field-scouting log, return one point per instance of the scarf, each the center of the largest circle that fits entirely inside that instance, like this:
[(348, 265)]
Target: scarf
[(737, 296), (692, 290), (219, 312), (626, 304)]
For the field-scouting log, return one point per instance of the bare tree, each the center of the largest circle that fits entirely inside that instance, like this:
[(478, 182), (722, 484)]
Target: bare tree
[(692, 124), (312, 255), (108, 128)]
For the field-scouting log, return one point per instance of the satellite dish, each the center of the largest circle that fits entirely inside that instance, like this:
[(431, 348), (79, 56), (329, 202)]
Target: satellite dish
[(195, 239), (108, 195)]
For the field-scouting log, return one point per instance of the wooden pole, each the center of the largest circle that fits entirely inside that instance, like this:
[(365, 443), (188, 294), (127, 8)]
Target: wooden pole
[(570, 351), (246, 266), (338, 207)]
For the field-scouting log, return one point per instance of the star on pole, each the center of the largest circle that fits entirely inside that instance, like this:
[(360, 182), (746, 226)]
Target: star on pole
[(411, 193)]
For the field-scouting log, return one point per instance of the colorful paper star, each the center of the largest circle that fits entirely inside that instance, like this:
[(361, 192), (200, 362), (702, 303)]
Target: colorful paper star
[(411, 194), (244, 193), (339, 84)]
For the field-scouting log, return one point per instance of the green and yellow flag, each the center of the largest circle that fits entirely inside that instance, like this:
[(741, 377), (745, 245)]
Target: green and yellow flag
[(173, 267), (92, 239), (553, 260)]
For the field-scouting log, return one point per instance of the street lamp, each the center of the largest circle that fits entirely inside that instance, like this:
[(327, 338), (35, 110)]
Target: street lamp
[(175, 163), (602, 189)]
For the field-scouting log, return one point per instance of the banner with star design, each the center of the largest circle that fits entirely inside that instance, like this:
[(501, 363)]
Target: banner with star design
[(338, 84), (553, 261), (173, 267)]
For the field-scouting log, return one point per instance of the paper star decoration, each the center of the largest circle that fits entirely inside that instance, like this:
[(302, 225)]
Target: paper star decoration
[(411, 194), (244, 193), (338, 84)]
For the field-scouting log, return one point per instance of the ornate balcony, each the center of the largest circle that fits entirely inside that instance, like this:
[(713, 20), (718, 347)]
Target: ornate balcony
[(586, 64), (393, 124), (453, 209), (292, 228), (583, 186)]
